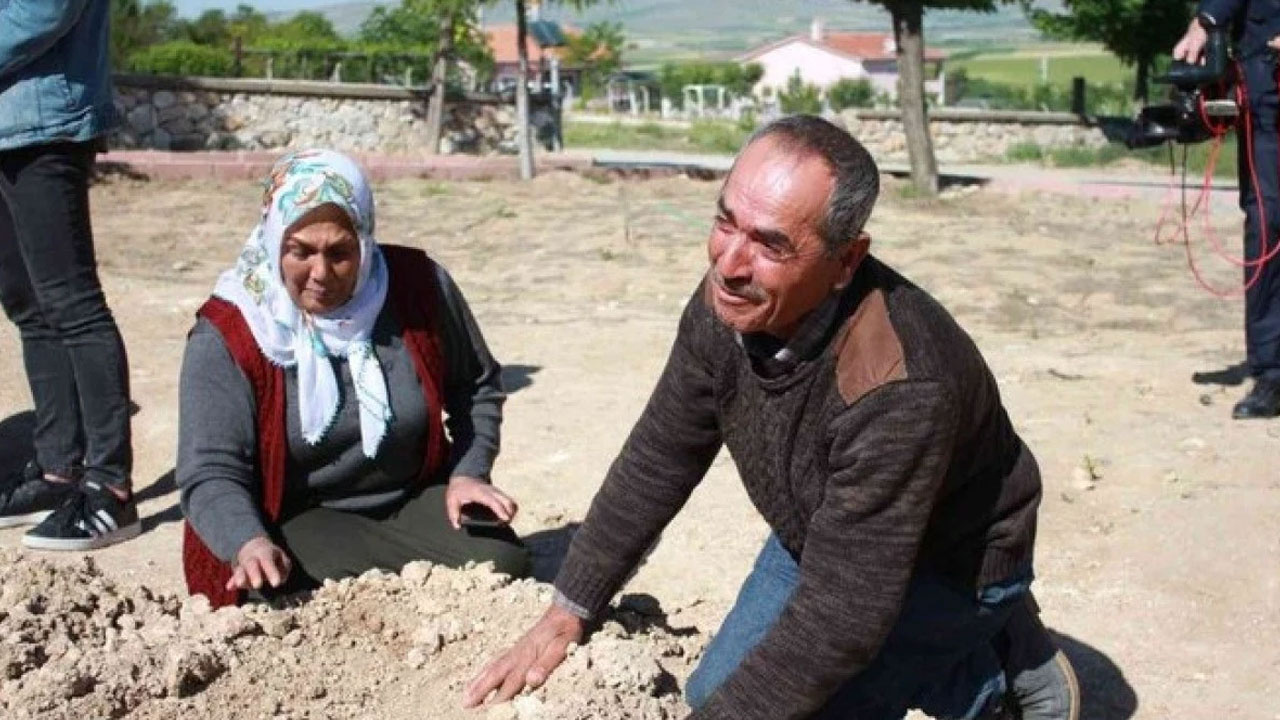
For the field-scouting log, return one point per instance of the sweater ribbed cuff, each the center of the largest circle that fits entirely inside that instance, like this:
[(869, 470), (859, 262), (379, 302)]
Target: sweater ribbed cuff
[(711, 711), (573, 608), (998, 565), (583, 587)]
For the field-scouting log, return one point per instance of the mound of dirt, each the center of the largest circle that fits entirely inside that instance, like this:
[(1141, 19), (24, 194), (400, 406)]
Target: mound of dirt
[(73, 644)]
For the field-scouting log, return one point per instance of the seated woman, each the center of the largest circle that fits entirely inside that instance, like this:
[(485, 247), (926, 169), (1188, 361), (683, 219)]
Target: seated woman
[(311, 438)]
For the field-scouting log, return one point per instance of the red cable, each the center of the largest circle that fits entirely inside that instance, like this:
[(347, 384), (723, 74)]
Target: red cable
[(1182, 234)]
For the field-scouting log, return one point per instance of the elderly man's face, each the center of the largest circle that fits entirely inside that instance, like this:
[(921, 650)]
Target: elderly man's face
[(769, 267), (320, 260)]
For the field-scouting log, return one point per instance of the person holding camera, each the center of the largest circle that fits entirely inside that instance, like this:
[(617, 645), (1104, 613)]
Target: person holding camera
[(1256, 27)]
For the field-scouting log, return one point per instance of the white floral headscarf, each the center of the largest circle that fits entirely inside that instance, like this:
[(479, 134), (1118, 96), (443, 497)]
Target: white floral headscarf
[(289, 336)]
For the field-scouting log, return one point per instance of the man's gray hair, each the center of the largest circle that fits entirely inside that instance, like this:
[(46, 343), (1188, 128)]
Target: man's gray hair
[(857, 179)]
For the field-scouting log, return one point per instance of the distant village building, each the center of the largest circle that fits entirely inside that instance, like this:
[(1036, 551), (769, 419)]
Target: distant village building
[(544, 41), (822, 58)]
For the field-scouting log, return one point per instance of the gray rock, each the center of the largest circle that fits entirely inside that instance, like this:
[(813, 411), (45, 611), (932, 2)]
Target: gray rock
[(141, 119), (163, 99), (197, 112), (273, 138), (221, 141), (178, 126), (188, 142), (124, 139), (160, 139)]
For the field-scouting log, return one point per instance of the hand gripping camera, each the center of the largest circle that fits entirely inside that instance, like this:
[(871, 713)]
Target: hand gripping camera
[(1201, 99)]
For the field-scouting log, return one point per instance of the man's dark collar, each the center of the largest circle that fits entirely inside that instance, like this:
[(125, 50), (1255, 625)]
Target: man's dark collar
[(774, 357)]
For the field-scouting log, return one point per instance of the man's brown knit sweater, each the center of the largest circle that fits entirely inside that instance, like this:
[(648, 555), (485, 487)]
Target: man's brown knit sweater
[(886, 451)]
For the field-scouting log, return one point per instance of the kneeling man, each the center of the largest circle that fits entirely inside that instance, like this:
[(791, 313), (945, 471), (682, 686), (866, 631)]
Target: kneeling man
[(870, 435)]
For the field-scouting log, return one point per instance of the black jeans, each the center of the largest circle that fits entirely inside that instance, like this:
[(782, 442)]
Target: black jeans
[(74, 356)]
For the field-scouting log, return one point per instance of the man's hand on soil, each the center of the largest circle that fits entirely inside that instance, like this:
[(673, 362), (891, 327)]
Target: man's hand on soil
[(529, 662)]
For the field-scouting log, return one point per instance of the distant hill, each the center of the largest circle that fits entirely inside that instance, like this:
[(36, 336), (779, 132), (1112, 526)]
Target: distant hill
[(711, 28)]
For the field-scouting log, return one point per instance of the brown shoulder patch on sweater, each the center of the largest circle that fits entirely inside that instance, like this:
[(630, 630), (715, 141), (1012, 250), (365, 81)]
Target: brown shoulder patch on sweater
[(869, 352)]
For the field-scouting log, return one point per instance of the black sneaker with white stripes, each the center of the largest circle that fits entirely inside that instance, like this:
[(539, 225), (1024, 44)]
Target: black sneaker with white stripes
[(92, 518), (26, 497)]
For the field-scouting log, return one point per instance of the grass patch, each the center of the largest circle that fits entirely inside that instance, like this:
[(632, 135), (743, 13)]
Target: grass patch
[(1025, 152), (1197, 156), (1024, 68), (705, 136)]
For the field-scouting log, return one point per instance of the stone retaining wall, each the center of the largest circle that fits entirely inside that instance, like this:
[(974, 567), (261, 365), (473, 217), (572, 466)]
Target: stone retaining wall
[(219, 114), (178, 113), (960, 136)]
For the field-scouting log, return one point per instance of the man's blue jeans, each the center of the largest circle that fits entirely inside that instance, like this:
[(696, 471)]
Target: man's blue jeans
[(938, 656)]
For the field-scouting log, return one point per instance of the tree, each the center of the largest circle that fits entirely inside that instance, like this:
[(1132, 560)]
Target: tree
[(848, 93), (524, 139), (598, 51), (737, 79), (1137, 31), (446, 29), (247, 23), (800, 97), (306, 26), (907, 17), (135, 26), (210, 28)]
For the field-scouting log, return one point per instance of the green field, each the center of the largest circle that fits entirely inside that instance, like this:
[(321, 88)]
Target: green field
[(704, 136), (1024, 66)]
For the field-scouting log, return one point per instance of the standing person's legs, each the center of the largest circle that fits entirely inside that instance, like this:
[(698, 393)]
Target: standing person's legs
[(47, 480), (56, 438), (46, 189), (1261, 163), (938, 656), (327, 543)]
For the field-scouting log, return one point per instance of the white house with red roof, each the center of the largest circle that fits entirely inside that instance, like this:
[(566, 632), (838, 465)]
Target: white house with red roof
[(823, 57)]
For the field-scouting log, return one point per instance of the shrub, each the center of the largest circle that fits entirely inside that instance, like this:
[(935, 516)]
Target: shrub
[(181, 57), (737, 79), (800, 97), (850, 93)]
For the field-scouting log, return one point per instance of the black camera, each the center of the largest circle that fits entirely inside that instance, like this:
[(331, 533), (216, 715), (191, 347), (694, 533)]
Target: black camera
[(1201, 99)]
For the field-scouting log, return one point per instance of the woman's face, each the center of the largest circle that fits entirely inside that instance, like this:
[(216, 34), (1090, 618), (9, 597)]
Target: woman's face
[(320, 260)]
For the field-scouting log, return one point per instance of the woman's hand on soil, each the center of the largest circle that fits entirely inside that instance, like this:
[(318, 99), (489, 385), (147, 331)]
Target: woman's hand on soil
[(464, 489), (260, 562), (529, 662)]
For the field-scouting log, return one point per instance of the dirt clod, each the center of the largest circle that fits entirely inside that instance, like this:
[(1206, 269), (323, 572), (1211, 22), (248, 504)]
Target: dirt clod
[(78, 645)]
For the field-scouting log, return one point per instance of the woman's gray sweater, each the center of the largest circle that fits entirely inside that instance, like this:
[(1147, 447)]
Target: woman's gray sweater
[(217, 442)]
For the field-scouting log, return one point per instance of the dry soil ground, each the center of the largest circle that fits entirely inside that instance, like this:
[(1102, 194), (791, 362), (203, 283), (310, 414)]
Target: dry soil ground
[(1159, 547)]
